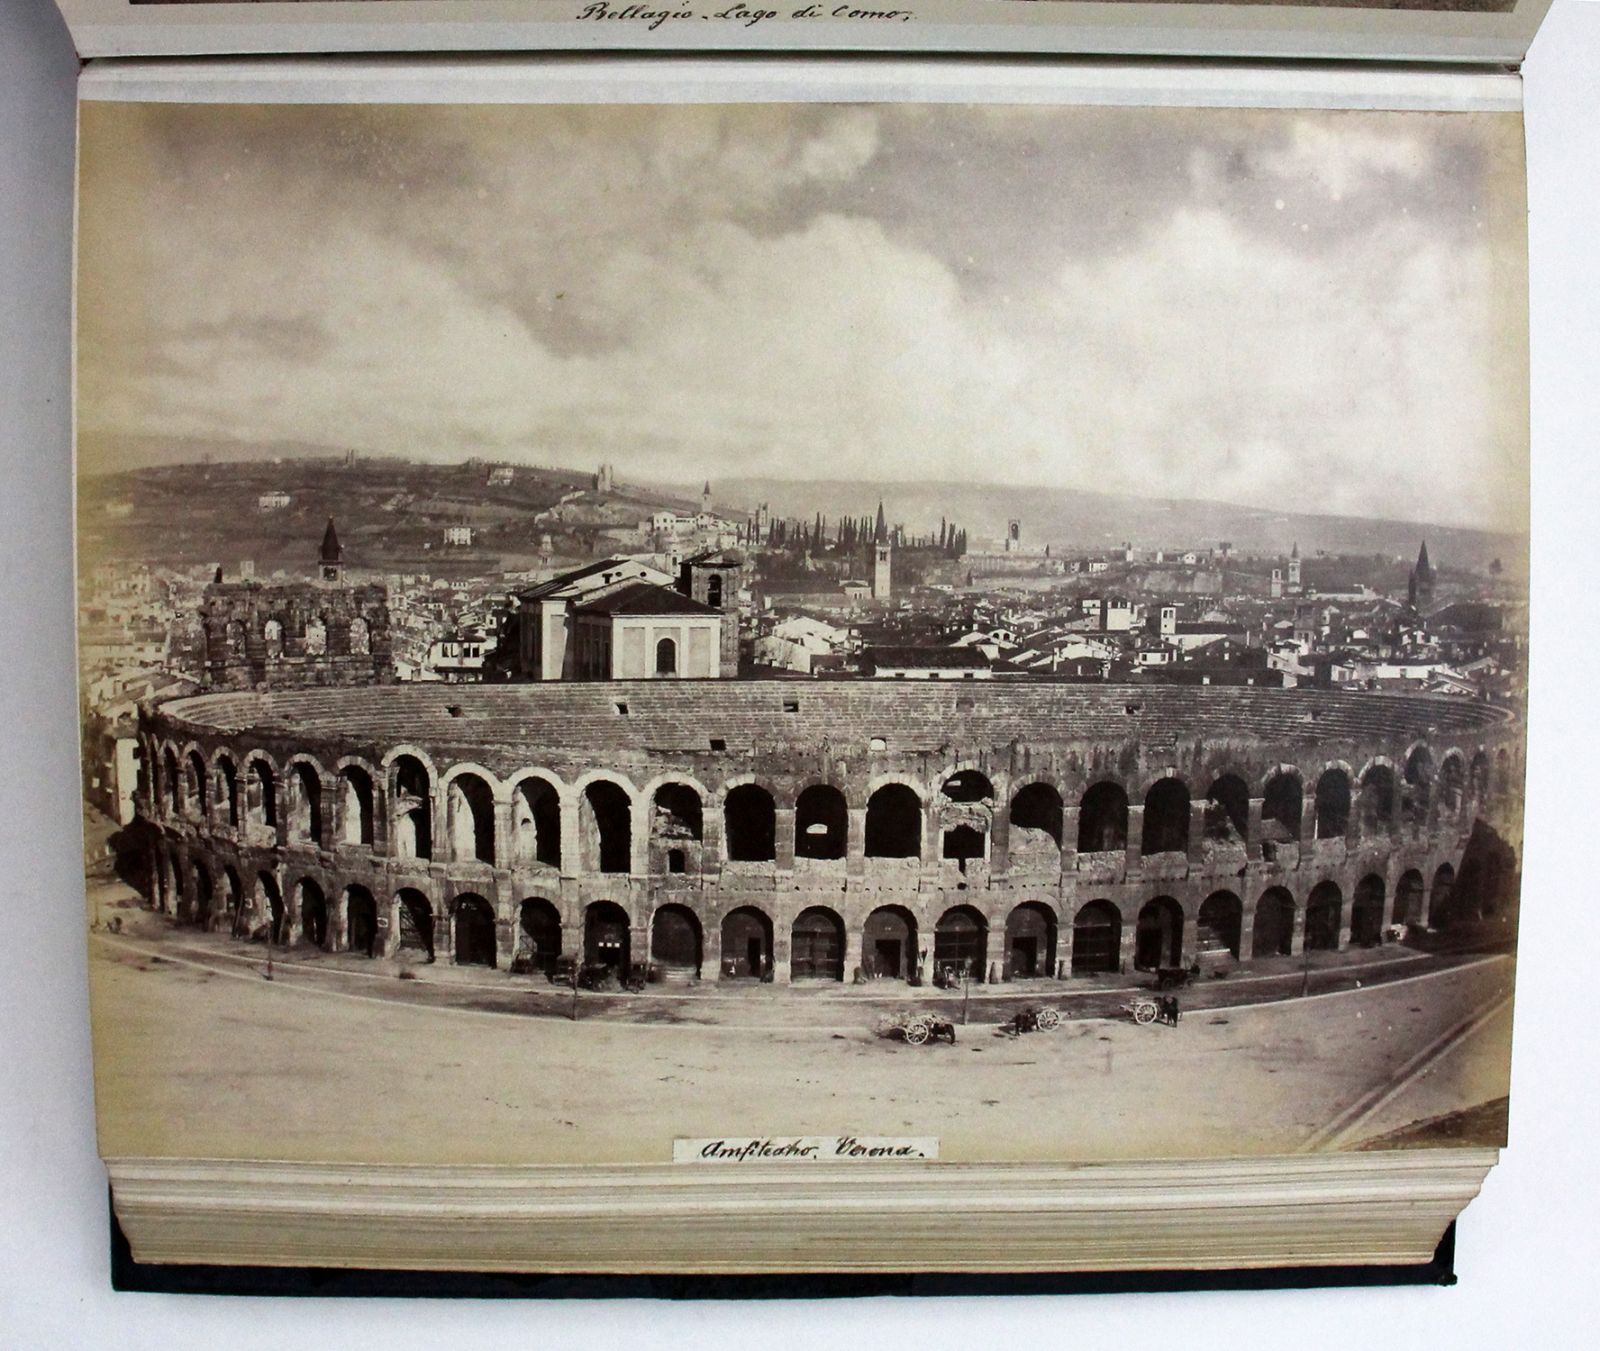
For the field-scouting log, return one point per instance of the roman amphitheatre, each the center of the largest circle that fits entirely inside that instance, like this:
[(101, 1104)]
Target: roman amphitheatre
[(696, 834)]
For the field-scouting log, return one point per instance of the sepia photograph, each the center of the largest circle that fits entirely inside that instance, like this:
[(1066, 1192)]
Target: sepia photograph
[(987, 633)]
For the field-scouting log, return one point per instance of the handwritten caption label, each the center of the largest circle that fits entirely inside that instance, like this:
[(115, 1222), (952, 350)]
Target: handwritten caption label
[(736, 1149), (746, 16)]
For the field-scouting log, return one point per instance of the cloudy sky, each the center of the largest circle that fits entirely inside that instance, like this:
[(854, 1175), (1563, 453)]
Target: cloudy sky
[(1315, 311)]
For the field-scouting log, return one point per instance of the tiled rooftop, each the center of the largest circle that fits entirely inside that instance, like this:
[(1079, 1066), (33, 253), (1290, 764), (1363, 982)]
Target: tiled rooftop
[(908, 715)]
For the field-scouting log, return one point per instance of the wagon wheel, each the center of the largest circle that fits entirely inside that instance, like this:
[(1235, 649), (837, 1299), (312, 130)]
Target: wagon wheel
[(916, 1032), (1049, 1018), (1144, 1012)]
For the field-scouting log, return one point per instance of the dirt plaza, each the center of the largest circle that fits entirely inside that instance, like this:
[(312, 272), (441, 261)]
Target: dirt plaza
[(334, 1065)]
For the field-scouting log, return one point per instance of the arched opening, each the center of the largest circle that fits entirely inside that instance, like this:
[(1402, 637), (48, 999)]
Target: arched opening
[(173, 782), (677, 823), (228, 790), (821, 823), (1375, 806), (968, 785), (1323, 909), (305, 804), (894, 822), (469, 812), (355, 805), (1228, 810), (415, 918), (750, 824), (269, 904), (677, 861), (1333, 804), (195, 780), (1158, 937), (360, 637), (317, 637), (1273, 932), (232, 897), (474, 930), (1031, 941), (411, 807), (889, 944), (675, 943), (606, 938), (313, 913), (1452, 784), (360, 921), (746, 944), (1366, 912), (1419, 778), (605, 828), (1478, 777), (1282, 803), (960, 943), (1103, 819), (714, 591), (539, 927), (203, 892), (964, 843), (1036, 822), (1220, 925), (175, 872), (1441, 900), (817, 945), (1408, 898), (666, 657), (536, 823), (1166, 818), (1097, 940), (272, 638)]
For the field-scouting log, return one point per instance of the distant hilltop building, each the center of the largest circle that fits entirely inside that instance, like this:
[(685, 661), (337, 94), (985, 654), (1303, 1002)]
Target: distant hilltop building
[(276, 500), (501, 474), (1419, 587), (291, 635), (605, 479), (461, 535)]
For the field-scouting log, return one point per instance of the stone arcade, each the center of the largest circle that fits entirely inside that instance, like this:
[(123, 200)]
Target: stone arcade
[(817, 831)]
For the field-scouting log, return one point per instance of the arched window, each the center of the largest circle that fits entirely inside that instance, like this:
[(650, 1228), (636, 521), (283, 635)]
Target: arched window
[(1376, 803), (471, 819), (1228, 809), (821, 823), (1282, 805), (1333, 804), (1220, 922), (305, 803), (894, 822), (1097, 939), (1036, 815), (666, 657), (355, 805), (1273, 934), (751, 824), (228, 790), (411, 807), (317, 637), (1166, 818), (1103, 819), (606, 828), (536, 823), (714, 591)]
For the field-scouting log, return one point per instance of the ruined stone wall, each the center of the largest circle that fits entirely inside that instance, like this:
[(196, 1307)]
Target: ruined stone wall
[(295, 635)]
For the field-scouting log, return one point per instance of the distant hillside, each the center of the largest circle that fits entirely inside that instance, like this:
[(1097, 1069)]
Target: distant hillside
[(391, 513), (1069, 519)]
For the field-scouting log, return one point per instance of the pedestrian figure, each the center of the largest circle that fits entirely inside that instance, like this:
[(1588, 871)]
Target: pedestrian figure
[(1169, 1009)]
